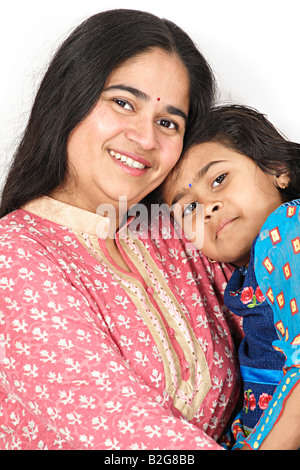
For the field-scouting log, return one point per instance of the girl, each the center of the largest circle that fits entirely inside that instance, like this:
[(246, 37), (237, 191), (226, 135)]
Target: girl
[(246, 177)]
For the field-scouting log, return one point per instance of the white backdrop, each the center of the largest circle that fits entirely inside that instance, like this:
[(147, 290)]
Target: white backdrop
[(252, 45)]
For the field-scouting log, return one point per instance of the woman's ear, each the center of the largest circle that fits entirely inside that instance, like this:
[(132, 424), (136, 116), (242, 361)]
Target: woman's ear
[(283, 180)]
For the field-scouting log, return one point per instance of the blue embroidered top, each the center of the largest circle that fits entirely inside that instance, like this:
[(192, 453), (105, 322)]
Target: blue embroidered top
[(267, 295)]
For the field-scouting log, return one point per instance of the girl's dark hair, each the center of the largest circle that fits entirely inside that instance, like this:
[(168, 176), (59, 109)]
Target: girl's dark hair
[(72, 86), (247, 131)]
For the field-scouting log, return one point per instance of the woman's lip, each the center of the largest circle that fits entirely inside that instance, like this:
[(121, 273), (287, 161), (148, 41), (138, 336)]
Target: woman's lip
[(133, 156), (135, 172), (222, 225)]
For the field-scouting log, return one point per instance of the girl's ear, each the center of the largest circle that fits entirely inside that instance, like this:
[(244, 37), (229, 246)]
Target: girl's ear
[(283, 180)]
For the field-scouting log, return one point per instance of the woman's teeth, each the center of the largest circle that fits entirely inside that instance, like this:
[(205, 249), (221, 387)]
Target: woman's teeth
[(127, 160)]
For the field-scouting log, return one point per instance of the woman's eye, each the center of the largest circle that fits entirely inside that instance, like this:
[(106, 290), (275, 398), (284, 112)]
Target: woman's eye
[(168, 124), (219, 180), (189, 208), (123, 103)]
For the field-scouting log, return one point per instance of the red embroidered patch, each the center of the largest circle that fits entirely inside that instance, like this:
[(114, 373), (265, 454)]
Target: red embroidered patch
[(296, 245), (287, 271), (280, 300), (291, 210), (268, 265), (294, 306), (275, 235)]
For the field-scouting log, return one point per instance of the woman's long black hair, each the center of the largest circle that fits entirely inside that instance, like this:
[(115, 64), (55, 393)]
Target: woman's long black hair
[(249, 132), (72, 86)]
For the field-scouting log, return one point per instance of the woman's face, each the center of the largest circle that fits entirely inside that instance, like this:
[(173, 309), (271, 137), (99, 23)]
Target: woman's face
[(134, 135)]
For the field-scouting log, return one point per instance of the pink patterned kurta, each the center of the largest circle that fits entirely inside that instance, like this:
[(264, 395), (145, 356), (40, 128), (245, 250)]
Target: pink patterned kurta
[(92, 357)]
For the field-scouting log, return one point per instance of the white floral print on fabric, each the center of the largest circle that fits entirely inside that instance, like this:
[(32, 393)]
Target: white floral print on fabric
[(87, 347)]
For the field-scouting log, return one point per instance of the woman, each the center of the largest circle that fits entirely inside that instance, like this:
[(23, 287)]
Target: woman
[(109, 337)]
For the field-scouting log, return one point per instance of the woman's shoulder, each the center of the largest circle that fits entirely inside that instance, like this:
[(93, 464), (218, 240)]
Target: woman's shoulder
[(12, 224), (21, 229), (20, 234)]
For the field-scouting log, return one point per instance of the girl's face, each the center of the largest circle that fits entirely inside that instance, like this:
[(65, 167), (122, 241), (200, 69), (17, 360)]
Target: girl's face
[(134, 135), (237, 198)]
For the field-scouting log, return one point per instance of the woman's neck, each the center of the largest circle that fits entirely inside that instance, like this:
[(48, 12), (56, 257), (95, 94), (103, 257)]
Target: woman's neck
[(111, 246)]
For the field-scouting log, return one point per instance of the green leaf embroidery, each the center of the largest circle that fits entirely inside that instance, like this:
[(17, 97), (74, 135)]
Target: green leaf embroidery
[(254, 302)]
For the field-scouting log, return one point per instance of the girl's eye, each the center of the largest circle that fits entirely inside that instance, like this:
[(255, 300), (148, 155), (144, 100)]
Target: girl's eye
[(219, 180), (123, 103), (189, 208), (167, 124)]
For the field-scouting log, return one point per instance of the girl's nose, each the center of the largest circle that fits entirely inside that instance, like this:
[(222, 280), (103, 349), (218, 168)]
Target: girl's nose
[(143, 133), (210, 208)]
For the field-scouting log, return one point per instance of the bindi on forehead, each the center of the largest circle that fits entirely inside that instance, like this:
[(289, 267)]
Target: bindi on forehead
[(158, 99)]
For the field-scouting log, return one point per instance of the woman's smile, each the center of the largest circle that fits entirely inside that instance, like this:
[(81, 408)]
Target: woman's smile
[(131, 161)]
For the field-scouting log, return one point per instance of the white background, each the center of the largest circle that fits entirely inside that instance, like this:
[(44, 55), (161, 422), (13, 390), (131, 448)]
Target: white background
[(252, 45)]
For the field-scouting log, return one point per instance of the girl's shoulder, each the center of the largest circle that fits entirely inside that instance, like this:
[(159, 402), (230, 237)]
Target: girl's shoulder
[(286, 214), (280, 231), (295, 203)]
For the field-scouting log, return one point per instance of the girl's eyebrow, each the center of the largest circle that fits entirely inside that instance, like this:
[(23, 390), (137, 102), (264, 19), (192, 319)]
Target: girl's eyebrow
[(144, 97), (200, 174), (204, 170)]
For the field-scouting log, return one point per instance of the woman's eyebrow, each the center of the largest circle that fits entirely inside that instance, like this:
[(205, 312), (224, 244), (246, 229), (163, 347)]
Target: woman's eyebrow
[(177, 112), (143, 96), (134, 91)]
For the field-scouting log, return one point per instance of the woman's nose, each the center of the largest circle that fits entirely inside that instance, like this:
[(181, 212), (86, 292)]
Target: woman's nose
[(143, 133), (210, 208)]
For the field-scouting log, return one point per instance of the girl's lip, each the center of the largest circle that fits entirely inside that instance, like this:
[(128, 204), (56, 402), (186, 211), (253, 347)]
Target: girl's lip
[(223, 224), (133, 156)]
